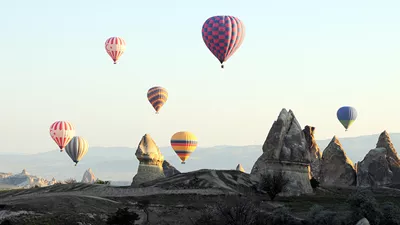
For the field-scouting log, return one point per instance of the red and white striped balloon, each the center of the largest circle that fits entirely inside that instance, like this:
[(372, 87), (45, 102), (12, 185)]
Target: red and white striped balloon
[(115, 47), (62, 132)]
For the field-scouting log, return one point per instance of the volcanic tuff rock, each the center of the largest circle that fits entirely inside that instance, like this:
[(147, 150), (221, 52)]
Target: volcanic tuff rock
[(150, 161), (25, 180), (363, 221), (88, 177), (315, 152), (168, 169), (381, 166), (336, 168), (285, 149), (4, 175), (239, 167)]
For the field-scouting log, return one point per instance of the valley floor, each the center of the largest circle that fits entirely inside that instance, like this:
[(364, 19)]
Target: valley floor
[(91, 204)]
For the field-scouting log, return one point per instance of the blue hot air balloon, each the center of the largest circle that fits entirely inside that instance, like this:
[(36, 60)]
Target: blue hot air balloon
[(347, 115)]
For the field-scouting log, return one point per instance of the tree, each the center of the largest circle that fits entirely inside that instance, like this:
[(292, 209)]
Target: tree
[(70, 181), (123, 217), (273, 184), (144, 205), (98, 181)]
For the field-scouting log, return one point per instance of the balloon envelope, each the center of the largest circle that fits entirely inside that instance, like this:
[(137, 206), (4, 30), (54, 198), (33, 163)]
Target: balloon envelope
[(157, 97), (77, 148), (62, 132), (184, 143), (115, 47), (223, 35), (347, 115)]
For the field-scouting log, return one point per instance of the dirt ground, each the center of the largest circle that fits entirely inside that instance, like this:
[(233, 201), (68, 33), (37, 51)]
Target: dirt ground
[(70, 204)]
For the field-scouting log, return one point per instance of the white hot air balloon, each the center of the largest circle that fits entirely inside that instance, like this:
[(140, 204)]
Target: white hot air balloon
[(77, 148)]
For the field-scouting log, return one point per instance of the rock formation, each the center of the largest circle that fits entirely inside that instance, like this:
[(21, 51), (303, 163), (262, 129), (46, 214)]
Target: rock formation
[(25, 180), (88, 177), (363, 221), (150, 162), (381, 166), (4, 175), (336, 168), (315, 153), (168, 169), (285, 149), (239, 167)]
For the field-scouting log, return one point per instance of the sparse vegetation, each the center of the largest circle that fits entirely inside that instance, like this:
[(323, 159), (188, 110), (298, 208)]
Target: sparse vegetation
[(70, 181), (241, 211), (273, 184), (123, 217), (232, 211), (98, 181)]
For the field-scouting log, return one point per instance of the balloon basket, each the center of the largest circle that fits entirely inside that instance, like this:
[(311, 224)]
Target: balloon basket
[(182, 162)]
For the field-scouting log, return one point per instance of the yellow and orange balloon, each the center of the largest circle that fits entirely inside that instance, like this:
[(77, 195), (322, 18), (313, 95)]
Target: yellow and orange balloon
[(184, 143)]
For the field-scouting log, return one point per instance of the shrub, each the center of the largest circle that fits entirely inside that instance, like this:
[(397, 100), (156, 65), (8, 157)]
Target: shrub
[(391, 214), (208, 216), (319, 216), (232, 211), (70, 181), (98, 181), (6, 222), (363, 204), (281, 216), (123, 217), (273, 184)]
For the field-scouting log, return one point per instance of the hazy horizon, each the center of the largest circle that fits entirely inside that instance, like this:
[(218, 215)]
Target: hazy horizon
[(309, 57)]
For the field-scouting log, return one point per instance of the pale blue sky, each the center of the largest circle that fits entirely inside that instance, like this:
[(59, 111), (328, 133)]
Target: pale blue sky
[(309, 56)]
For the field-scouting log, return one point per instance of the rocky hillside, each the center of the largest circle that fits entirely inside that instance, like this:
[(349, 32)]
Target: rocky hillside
[(225, 180)]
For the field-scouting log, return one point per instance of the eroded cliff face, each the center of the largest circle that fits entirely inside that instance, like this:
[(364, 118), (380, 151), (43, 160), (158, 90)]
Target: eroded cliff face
[(286, 149), (336, 168), (150, 162), (381, 166), (315, 153)]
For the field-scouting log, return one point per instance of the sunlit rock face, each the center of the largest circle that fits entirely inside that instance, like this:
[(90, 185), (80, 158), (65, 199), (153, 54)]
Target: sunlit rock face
[(150, 162), (239, 167), (88, 177)]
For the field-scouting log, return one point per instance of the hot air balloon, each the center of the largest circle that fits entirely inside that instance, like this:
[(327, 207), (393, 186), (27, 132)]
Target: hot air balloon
[(184, 143), (62, 132), (115, 47), (157, 97), (347, 115), (223, 35), (77, 148)]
